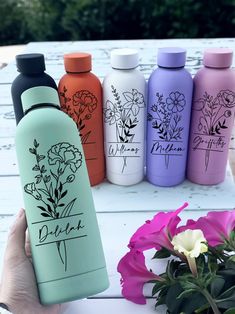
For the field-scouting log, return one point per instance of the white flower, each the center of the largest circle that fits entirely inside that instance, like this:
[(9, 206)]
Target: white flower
[(191, 243)]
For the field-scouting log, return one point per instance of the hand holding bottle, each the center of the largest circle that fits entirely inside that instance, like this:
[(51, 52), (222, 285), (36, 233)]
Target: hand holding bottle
[(18, 288)]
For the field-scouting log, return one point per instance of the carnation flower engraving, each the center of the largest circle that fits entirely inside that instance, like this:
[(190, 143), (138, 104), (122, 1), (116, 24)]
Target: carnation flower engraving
[(50, 187), (65, 155), (80, 107)]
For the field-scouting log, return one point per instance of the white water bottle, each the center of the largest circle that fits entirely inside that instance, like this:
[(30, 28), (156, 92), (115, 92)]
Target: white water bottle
[(124, 118)]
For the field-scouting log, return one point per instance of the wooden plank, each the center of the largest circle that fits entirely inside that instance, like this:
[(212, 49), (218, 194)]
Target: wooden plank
[(114, 306), (100, 51), (5, 90), (7, 122), (140, 197)]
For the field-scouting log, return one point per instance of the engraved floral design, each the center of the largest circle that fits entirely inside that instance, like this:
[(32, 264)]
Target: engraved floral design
[(50, 189), (30, 188), (165, 117), (66, 155), (85, 100), (124, 115), (175, 102), (227, 98), (135, 101), (111, 114), (212, 120), (80, 107)]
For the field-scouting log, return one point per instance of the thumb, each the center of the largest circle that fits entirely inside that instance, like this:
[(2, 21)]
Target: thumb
[(16, 240)]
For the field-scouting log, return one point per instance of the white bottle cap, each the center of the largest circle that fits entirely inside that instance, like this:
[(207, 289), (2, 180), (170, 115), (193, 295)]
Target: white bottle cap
[(124, 58)]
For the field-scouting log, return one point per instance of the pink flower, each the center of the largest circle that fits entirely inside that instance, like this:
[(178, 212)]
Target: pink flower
[(216, 226), (134, 275), (158, 232)]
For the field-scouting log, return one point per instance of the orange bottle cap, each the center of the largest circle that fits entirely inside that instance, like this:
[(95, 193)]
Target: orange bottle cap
[(77, 62)]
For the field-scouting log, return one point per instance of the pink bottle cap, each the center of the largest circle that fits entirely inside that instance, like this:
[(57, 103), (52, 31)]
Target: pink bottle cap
[(218, 57)]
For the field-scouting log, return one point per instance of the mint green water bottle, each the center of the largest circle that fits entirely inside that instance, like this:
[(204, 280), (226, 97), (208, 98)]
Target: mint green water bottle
[(65, 240)]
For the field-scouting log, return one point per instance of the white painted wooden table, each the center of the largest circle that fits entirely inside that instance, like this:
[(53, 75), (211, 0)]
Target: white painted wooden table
[(120, 210)]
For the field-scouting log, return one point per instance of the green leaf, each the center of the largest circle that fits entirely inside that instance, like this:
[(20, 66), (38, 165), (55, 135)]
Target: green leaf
[(230, 264), (230, 311), (157, 287), (217, 285), (163, 253), (227, 299), (186, 293)]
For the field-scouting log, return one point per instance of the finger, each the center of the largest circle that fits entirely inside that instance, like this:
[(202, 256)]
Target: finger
[(16, 239), (27, 245)]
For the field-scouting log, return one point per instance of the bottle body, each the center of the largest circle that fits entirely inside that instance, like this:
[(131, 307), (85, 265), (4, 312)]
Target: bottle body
[(211, 125), (59, 207), (169, 108), (124, 125), (23, 82), (81, 98)]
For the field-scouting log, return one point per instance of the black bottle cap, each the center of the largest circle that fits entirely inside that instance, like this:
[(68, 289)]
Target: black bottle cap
[(30, 63)]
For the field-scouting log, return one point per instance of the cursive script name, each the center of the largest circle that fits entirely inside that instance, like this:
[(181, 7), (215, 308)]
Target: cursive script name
[(45, 231), (165, 148), (208, 143), (122, 150)]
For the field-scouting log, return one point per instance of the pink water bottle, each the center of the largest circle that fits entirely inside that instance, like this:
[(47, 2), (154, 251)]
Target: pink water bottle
[(212, 118)]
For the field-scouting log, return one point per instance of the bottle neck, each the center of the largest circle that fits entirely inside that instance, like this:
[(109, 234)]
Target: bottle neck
[(42, 105), (171, 68), (76, 73), (216, 68), (33, 74)]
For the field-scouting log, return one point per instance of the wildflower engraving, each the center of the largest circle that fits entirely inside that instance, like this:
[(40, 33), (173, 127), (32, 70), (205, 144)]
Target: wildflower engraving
[(123, 117), (166, 118), (214, 114)]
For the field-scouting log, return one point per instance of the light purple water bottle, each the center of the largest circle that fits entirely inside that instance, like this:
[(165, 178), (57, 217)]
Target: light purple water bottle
[(212, 117), (169, 106)]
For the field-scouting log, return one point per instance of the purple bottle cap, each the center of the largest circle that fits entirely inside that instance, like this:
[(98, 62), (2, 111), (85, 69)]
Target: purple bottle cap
[(218, 57), (171, 57)]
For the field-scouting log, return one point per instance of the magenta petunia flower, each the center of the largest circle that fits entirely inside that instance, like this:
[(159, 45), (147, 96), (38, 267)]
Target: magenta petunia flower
[(158, 232), (216, 226), (134, 275)]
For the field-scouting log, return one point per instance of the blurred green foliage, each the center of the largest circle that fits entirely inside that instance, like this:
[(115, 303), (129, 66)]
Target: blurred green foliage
[(22, 21)]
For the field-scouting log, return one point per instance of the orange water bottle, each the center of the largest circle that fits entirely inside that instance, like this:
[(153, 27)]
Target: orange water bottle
[(80, 94)]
